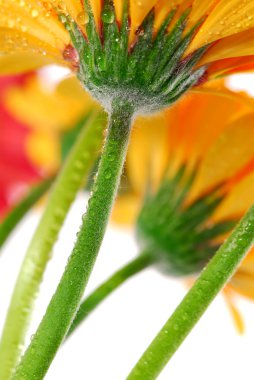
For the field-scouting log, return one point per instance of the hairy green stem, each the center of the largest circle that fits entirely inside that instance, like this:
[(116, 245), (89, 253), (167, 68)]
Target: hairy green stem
[(21, 209), (63, 193), (210, 282), (65, 302), (109, 286)]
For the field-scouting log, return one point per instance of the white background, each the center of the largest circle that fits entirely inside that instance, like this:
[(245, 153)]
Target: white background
[(115, 335)]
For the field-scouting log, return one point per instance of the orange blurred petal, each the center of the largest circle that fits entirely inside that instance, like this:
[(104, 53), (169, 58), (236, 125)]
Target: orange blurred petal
[(42, 109), (148, 152), (43, 150), (239, 199), (126, 209), (243, 281), (237, 317), (231, 151), (16, 63)]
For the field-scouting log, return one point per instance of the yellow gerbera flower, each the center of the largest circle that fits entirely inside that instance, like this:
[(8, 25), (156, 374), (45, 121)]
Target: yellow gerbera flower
[(204, 147), (34, 34)]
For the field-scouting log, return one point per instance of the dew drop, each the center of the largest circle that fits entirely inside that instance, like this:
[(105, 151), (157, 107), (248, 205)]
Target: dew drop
[(108, 175), (111, 157), (61, 7), (11, 23), (82, 18), (24, 28), (34, 13), (108, 16)]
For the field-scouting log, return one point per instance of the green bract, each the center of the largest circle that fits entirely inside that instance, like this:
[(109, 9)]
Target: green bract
[(150, 74), (180, 236)]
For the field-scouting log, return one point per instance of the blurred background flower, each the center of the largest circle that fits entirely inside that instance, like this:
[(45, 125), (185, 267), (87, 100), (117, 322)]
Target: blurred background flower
[(34, 116), (190, 170)]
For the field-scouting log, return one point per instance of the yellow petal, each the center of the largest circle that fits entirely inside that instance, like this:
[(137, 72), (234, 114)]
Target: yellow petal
[(227, 18), (72, 88), (238, 201), (126, 209), (139, 9), (148, 152), (43, 150), (237, 317), (22, 62), (243, 283), (72, 7), (42, 109), (230, 153), (22, 46), (194, 126), (30, 29), (34, 20), (200, 8), (238, 45), (163, 8), (243, 280)]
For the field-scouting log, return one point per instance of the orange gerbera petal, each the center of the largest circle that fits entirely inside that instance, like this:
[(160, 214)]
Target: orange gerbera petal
[(237, 317), (32, 19), (148, 152), (239, 199), (201, 8), (194, 126), (126, 209), (238, 45), (33, 28), (139, 9), (231, 66), (227, 18), (231, 151), (28, 26), (243, 281)]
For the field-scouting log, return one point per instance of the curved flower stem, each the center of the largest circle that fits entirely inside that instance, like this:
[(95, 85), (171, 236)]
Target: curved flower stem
[(63, 193), (20, 210), (65, 302), (210, 282), (140, 263)]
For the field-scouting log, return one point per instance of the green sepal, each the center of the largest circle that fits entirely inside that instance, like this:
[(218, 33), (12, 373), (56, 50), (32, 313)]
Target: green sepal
[(154, 60), (142, 48), (169, 45), (150, 74), (180, 236)]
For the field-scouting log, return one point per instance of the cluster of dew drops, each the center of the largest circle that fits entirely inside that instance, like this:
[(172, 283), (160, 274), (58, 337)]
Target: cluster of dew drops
[(232, 19), (19, 15)]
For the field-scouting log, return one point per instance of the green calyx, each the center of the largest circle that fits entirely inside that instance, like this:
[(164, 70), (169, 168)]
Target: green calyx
[(180, 236), (150, 74)]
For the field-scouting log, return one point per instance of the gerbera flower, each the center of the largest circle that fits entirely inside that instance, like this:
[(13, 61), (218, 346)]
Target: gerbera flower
[(192, 183), (143, 48)]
